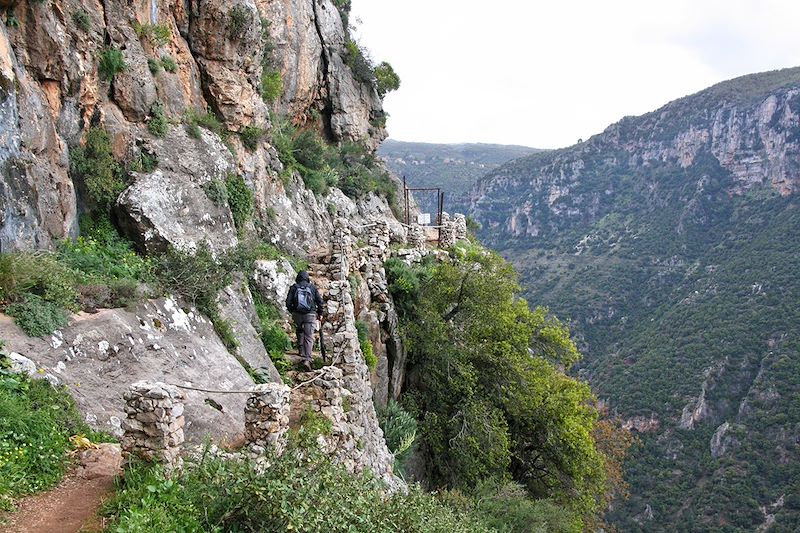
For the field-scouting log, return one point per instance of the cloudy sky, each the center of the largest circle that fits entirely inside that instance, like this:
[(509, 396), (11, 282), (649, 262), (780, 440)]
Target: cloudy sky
[(545, 74)]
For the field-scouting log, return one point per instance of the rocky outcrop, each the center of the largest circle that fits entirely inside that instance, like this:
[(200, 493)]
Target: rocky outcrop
[(745, 128), (169, 206), (99, 355), (310, 45)]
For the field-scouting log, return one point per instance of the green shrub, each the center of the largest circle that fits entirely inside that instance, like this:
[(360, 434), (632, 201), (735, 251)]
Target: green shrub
[(366, 345), (157, 34), (271, 85), (168, 63), (302, 490), (276, 342), (251, 137), (101, 254), (240, 200), (36, 421), (37, 273), (205, 120), (95, 166), (82, 20), (112, 62), (386, 79), (36, 316), (399, 429), (193, 131), (216, 191), (146, 162), (357, 59), (154, 65), (239, 19), (158, 124)]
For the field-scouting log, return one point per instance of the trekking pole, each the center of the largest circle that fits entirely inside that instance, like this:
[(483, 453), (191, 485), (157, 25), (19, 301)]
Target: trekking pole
[(322, 341)]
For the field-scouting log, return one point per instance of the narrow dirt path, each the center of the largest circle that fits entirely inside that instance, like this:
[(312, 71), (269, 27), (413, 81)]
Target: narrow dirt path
[(72, 506)]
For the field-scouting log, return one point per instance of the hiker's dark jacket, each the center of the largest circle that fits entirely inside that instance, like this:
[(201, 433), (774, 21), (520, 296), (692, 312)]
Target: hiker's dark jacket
[(302, 281)]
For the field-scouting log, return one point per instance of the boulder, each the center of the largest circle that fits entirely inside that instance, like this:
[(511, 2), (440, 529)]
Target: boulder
[(98, 356), (169, 206)]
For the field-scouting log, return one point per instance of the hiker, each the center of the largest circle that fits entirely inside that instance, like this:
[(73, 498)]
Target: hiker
[(305, 303)]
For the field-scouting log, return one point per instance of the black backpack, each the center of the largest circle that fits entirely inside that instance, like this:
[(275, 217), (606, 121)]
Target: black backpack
[(304, 299)]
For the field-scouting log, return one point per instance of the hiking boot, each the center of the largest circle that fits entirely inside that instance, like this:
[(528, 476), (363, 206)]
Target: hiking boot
[(307, 366)]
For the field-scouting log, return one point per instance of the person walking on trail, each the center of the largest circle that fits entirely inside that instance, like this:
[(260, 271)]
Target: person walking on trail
[(305, 303)]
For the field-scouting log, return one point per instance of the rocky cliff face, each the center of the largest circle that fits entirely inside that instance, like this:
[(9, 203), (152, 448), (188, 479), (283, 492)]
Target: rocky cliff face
[(67, 66), (669, 242), (747, 128)]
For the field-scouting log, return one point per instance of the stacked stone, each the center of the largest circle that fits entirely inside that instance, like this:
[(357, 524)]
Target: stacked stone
[(447, 237), (378, 240), (341, 250), (154, 427), (266, 417), (370, 449), (415, 236), (460, 222)]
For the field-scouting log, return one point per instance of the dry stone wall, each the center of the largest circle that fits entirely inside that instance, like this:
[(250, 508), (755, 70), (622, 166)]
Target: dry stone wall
[(266, 417), (154, 426)]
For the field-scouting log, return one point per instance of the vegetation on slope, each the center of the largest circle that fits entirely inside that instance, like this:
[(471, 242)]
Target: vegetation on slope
[(36, 422), (487, 387), (671, 282)]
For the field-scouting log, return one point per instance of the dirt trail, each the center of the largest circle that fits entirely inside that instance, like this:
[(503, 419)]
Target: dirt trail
[(72, 506)]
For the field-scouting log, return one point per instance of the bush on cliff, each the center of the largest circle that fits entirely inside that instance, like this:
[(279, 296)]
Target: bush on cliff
[(488, 387), (302, 490), (94, 166)]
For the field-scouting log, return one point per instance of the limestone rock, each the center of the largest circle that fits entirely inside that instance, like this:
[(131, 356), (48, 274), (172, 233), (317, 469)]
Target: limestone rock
[(273, 278), (98, 356), (236, 306), (169, 207)]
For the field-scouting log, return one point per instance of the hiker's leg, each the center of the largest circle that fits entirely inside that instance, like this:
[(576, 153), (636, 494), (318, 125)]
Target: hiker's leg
[(307, 344), (298, 331)]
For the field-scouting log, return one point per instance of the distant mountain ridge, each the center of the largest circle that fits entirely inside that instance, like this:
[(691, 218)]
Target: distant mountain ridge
[(453, 167), (671, 241)]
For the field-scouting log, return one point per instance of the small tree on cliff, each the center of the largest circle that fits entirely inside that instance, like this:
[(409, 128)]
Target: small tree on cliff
[(386, 78)]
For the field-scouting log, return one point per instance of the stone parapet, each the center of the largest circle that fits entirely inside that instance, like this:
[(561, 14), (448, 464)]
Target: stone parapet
[(153, 429)]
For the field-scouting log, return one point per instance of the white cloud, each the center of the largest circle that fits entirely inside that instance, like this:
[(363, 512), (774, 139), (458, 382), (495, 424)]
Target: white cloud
[(545, 74)]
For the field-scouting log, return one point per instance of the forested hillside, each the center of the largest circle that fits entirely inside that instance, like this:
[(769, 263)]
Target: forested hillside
[(670, 242)]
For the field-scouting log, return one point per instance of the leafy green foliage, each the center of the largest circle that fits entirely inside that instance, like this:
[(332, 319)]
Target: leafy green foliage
[(93, 164), (36, 421), (36, 316), (111, 63), (239, 20), (366, 345), (154, 65), (145, 162), (251, 137), (506, 507), (399, 430), (352, 168), (240, 200), (299, 492), (217, 191), (168, 63), (198, 118), (156, 34), (37, 273), (271, 87), (357, 58), (386, 79), (99, 269), (82, 20), (157, 123), (492, 400), (276, 342)]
